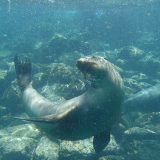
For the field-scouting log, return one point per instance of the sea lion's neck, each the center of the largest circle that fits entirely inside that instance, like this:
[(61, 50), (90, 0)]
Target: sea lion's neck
[(94, 95)]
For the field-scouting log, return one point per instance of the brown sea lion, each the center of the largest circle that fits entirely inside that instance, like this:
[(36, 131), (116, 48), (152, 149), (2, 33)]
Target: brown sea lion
[(91, 114)]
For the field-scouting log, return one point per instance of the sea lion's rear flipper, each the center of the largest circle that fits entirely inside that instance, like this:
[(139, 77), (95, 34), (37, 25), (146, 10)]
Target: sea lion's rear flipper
[(23, 72), (45, 119), (101, 140)]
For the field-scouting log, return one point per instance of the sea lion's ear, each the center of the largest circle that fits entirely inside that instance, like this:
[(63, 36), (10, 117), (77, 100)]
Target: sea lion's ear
[(101, 140)]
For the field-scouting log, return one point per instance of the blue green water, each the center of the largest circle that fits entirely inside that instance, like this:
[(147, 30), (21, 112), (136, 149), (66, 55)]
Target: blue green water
[(61, 32), (119, 26)]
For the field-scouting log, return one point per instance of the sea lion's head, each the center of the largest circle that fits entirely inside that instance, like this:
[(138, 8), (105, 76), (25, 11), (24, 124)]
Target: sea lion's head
[(94, 68), (100, 72)]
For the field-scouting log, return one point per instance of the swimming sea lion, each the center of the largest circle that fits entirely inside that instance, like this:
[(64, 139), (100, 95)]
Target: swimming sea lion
[(147, 100), (91, 114)]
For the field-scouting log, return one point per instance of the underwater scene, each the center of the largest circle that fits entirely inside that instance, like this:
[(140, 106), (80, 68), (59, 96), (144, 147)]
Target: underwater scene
[(79, 79)]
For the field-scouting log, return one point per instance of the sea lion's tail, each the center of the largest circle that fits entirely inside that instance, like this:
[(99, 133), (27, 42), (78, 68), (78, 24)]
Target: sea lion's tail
[(23, 72)]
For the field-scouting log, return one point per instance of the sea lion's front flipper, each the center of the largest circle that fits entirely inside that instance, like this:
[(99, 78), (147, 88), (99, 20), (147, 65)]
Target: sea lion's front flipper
[(101, 140)]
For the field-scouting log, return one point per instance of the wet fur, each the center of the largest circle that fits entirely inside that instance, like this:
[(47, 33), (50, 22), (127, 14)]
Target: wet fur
[(84, 116)]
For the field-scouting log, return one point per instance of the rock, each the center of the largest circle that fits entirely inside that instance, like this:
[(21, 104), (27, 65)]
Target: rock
[(2, 108), (7, 75), (129, 56), (70, 59), (3, 73), (67, 82), (130, 73), (24, 142), (60, 44), (133, 85), (121, 62), (112, 147), (80, 43), (2, 118), (51, 51), (57, 44), (25, 130), (83, 149), (120, 70), (11, 98), (130, 53), (4, 53), (111, 157), (148, 149), (79, 46), (38, 45), (142, 150), (148, 121), (76, 149), (3, 64), (57, 73), (18, 142), (84, 36), (147, 41), (49, 93), (140, 134), (47, 149), (149, 65), (118, 131), (24, 47)]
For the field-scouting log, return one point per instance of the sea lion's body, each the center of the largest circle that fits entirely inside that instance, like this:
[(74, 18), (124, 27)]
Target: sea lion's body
[(91, 114)]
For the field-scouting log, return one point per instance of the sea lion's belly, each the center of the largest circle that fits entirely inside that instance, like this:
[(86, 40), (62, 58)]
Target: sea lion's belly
[(82, 125)]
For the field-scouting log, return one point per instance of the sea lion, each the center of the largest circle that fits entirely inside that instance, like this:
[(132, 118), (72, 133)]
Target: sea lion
[(91, 114), (147, 100)]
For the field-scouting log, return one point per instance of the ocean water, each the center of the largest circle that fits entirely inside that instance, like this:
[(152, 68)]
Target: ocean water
[(54, 34)]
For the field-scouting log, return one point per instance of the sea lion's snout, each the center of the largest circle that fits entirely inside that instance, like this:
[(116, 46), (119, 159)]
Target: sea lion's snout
[(80, 62), (86, 65)]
